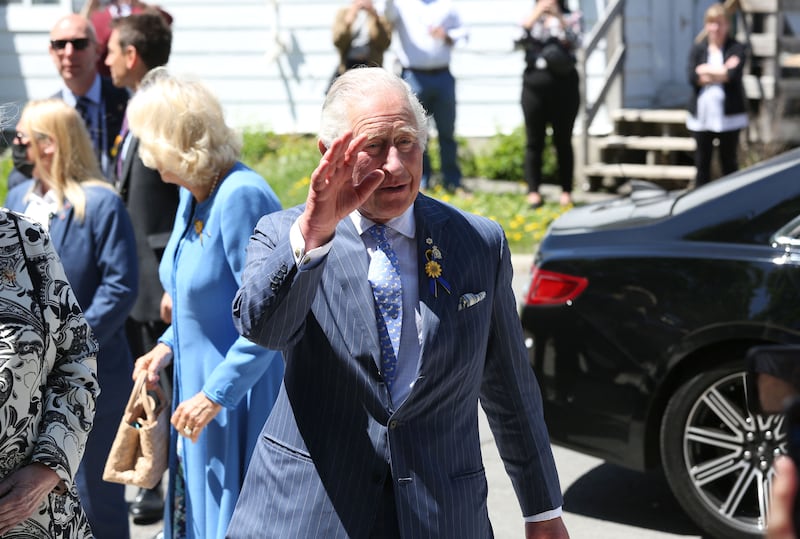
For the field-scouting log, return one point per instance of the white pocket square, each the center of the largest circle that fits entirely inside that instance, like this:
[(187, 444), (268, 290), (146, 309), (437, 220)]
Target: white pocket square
[(468, 300)]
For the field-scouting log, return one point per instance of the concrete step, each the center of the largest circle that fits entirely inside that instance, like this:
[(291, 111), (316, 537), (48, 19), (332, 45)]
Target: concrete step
[(666, 144), (639, 171), (657, 116)]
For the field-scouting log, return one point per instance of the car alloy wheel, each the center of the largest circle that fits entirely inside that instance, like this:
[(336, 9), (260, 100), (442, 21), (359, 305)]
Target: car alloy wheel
[(717, 457)]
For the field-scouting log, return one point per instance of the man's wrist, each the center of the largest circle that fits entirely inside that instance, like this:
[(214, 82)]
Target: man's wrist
[(547, 515)]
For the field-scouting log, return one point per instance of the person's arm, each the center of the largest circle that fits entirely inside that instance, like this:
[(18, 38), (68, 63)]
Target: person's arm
[(539, 9), (380, 31), (342, 36), (512, 401), (116, 262), (274, 299), (88, 7), (547, 529), (780, 524)]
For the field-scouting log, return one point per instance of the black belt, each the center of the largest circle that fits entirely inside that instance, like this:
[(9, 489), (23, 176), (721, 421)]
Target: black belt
[(434, 71)]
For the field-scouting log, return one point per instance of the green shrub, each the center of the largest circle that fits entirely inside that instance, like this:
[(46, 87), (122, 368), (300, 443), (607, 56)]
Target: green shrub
[(257, 144), (466, 157), (5, 167), (504, 157)]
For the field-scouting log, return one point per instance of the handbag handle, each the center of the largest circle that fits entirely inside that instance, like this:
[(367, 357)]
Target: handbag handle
[(139, 395)]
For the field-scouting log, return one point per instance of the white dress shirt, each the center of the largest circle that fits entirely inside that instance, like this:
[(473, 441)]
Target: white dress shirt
[(413, 20), (711, 106)]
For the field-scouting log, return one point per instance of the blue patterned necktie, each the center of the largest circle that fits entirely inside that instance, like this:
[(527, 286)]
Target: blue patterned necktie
[(83, 106), (384, 276)]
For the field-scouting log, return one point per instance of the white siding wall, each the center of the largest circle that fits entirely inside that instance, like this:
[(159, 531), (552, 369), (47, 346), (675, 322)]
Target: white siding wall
[(231, 44)]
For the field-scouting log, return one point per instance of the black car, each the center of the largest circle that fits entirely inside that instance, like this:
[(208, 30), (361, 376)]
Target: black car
[(639, 314)]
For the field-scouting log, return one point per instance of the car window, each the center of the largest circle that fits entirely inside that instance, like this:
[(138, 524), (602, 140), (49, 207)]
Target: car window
[(757, 229), (722, 187)]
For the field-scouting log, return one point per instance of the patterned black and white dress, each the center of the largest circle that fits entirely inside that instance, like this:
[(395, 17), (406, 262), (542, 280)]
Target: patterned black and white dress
[(48, 382)]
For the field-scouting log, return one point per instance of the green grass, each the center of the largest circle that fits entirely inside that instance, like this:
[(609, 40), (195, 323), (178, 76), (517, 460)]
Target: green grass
[(286, 161)]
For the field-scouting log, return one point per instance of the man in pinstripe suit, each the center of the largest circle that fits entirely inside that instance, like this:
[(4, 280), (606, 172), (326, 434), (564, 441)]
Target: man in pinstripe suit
[(345, 453)]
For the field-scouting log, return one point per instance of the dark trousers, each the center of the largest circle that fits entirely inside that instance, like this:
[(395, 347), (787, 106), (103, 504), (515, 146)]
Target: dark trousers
[(103, 502), (728, 150), (436, 90), (548, 99)]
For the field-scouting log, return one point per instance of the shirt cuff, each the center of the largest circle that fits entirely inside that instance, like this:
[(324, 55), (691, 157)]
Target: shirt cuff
[(302, 259), (547, 515)]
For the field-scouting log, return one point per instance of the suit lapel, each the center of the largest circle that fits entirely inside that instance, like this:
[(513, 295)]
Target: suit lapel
[(127, 163), (432, 223), (350, 303)]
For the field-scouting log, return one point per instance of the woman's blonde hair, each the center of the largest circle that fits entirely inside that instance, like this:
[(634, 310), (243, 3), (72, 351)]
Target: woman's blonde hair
[(74, 161), (715, 12), (181, 129)]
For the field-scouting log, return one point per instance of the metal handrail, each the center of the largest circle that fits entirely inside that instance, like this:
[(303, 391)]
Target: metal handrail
[(612, 15)]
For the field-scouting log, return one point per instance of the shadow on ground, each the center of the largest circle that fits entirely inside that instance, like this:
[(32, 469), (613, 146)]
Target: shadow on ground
[(615, 494)]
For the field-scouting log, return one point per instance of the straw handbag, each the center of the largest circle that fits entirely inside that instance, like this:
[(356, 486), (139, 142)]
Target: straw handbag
[(139, 454)]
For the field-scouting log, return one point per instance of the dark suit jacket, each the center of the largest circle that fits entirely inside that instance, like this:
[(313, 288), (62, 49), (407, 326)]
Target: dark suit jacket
[(152, 205), (332, 436), (734, 88), (115, 101)]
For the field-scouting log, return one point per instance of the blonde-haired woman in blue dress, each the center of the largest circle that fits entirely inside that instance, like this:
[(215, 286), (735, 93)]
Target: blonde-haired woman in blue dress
[(224, 386)]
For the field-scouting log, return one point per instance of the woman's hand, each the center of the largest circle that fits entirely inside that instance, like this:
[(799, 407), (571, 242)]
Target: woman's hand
[(540, 9), (192, 415), (22, 492), (152, 362)]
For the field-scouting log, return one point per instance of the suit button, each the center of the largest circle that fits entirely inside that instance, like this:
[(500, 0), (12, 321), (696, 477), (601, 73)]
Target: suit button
[(393, 424)]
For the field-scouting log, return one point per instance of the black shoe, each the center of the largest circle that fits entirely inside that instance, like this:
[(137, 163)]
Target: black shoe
[(536, 205), (148, 506)]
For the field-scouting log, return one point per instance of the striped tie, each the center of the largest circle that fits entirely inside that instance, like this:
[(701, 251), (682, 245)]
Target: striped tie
[(84, 108)]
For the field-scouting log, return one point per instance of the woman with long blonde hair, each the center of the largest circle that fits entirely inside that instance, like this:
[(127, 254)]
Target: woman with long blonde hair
[(92, 233)]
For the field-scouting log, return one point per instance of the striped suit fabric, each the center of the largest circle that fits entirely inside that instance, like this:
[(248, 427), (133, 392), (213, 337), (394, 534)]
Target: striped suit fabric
[(333, 437)]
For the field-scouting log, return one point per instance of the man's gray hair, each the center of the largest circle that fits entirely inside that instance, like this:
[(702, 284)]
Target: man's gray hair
[(358, 84)]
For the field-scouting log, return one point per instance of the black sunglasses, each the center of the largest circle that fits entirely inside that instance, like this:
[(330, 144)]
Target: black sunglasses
[(79, 43)]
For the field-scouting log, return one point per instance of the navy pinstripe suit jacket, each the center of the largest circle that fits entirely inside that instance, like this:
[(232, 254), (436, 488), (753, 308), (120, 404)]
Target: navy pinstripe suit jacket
[(328, 445)]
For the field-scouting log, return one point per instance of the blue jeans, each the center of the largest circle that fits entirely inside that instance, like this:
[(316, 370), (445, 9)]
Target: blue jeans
[(437, 93)]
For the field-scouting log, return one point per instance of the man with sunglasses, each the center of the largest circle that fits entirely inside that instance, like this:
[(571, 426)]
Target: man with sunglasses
[(73, 48)]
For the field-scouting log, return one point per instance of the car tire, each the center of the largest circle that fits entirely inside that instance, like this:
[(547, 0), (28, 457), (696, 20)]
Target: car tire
[(717, 457)]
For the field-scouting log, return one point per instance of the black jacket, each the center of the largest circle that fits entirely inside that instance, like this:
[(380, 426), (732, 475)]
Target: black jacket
[(734, 89), (152, 205)]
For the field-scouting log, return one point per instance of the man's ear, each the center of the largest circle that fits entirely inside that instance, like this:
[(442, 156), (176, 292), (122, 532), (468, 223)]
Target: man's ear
[(321, 146), (131, 56)]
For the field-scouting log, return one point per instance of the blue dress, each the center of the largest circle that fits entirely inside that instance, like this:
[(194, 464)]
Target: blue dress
[(201, 270)]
